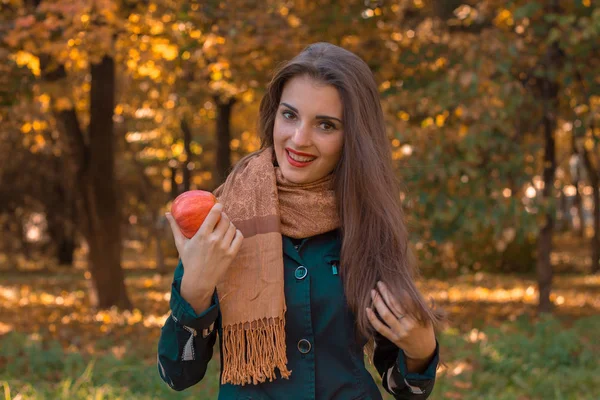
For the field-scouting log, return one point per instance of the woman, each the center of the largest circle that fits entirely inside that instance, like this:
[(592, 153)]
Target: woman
[(305, 258)]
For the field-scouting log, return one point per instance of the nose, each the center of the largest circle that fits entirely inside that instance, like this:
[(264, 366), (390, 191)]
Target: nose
[(302, 136)]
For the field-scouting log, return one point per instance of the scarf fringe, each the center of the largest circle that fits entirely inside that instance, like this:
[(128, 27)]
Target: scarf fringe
[(252, 351)]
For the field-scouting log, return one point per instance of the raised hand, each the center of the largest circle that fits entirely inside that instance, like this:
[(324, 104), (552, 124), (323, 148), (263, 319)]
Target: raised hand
[(206, 256)]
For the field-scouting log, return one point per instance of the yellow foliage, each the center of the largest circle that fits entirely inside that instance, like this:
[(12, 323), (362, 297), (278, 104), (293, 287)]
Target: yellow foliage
[(26, 128), (440, 120), (24, 58), (156, 28), (248, 96), (441, 62), (196, 148), (385, 85), (177, 149), (63, 103), (504, 18), (294, 21), (167, 51), (403, 115), (39, 125), (589, 144), (216, 76)]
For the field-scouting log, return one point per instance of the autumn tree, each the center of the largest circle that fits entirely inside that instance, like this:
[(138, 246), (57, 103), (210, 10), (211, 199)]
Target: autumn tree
[(75, 44)]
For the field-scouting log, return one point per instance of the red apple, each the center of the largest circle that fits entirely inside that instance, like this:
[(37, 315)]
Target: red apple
[(190, 210)]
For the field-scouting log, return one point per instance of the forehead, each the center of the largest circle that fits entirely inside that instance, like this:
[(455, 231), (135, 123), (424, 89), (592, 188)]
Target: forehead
[(312, 97)]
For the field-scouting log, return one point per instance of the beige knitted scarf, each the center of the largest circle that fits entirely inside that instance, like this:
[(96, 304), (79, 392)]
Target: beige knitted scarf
[(263, 205)]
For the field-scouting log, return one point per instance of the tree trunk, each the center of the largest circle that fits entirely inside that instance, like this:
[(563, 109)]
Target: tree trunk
[(60, 214), (223, 139), (594, 176), (549, 93), (98, 188), (562, 222), (174, 188), (544, 245), (596, 238), (186, 167), (575, 165), (92, 167)]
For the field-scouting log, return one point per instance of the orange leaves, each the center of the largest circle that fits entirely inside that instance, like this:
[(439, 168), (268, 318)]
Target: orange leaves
[(58, 308), (294, 21), (504, 19), (24, 58), (165, 50)]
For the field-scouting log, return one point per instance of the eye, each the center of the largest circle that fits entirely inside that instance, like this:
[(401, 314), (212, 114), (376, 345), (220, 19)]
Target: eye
[(288, 114), (327, 126)]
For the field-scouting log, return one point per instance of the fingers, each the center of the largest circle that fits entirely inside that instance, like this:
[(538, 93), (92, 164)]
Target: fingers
[(213, 217), (177, 234), (229, 235), (387, 316), (236, 243), (391, 301), (222, 226), (380, 326)]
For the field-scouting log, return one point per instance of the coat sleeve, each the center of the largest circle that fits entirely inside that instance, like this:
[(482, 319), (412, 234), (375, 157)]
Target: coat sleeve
[(187, 339), (390, 362)]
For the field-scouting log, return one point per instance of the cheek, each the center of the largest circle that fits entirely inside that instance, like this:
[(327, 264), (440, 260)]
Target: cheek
[(279, 133), (334, 150)]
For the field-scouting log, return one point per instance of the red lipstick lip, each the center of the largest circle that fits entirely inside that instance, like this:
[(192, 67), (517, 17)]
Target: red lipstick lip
[(299, 153)]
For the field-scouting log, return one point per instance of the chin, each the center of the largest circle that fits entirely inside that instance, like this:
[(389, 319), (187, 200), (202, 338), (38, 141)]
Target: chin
[(294, 177)]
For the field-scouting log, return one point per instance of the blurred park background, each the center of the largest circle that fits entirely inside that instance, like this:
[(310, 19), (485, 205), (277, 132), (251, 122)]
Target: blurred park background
[(110, 108)]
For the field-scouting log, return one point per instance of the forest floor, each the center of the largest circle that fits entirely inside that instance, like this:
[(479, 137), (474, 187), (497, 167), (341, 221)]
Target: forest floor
[(54, 346)]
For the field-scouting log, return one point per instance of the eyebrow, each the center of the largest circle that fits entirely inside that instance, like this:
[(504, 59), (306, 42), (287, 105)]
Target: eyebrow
[(318, 116)]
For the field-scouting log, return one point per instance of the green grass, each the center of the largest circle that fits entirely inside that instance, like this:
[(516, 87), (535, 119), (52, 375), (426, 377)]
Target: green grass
[(33, 370), (518, 360)]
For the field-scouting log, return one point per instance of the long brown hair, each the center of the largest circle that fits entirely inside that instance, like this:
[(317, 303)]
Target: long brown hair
[(375, 239)]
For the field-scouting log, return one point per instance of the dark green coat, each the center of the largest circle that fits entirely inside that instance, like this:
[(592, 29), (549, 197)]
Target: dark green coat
[(325, 360)]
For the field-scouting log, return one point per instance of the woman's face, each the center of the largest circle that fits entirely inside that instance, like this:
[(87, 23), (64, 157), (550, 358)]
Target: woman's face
[(308, 133)]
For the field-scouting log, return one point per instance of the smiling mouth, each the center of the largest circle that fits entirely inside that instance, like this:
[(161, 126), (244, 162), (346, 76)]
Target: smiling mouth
[(298, 160)]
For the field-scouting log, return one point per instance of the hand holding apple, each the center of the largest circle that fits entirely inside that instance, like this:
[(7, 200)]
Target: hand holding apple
[(190, 209), (208, 250)]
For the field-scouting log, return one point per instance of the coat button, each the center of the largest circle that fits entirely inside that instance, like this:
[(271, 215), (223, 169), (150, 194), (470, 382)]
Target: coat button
[(301, 272), (304, 346)]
